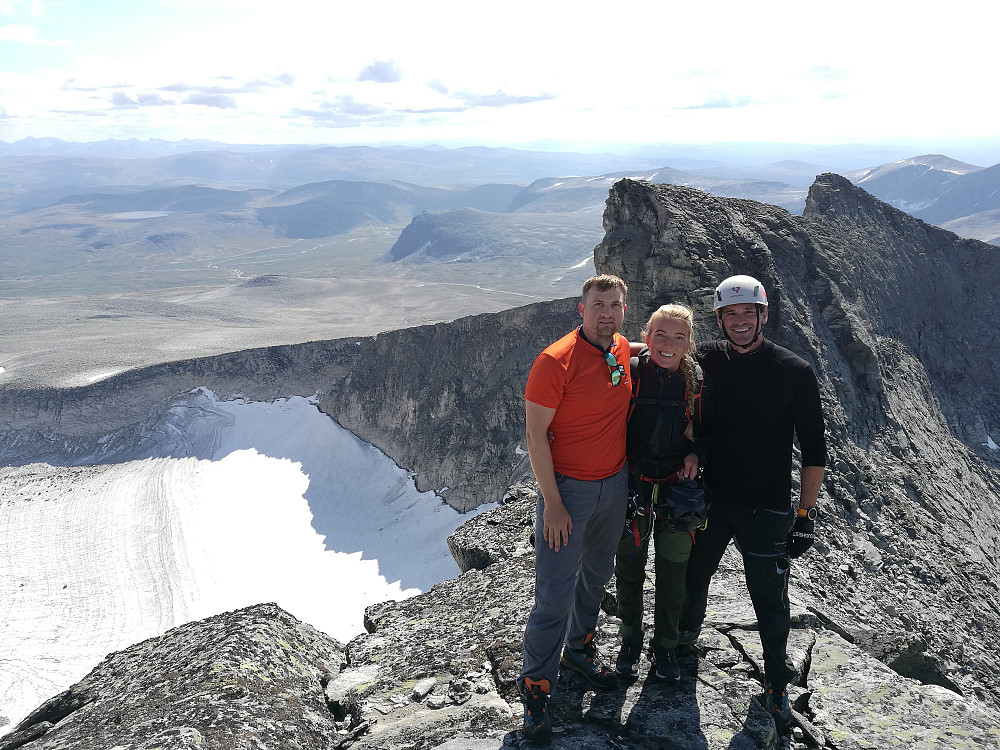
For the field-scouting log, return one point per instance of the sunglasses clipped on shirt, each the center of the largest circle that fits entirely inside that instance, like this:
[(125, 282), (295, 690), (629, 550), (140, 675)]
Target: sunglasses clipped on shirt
[(614, 368)]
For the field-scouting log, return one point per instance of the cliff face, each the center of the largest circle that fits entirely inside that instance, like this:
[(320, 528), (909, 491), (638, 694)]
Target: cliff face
[(853, 284), (100, 422), (447, 400)]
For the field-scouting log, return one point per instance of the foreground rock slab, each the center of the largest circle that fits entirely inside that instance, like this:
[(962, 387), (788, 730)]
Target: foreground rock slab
[(246, 679)]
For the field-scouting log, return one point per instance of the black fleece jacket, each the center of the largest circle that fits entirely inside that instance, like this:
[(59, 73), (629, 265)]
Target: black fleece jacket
[(753, 406)]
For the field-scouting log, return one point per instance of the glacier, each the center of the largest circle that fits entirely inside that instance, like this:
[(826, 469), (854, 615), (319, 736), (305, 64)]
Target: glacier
[(237, 503)]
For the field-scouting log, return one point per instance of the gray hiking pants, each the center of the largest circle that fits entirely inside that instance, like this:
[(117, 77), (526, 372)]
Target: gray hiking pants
[(569, 584)]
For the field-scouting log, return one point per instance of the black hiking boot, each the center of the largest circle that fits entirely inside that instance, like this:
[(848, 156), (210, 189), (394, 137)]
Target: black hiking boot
[(535, 696), (776, 704), (627, 663), (665, 664), (587, 662)]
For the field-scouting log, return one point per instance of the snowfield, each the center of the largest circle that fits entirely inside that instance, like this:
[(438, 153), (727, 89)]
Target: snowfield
[(268, 502)]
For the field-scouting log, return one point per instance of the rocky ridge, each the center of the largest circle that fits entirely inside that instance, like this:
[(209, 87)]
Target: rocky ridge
[(442, 400), (896, 616)]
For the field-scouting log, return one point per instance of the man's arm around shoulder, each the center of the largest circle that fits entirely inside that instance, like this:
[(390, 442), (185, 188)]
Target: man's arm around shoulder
[(556, 522)]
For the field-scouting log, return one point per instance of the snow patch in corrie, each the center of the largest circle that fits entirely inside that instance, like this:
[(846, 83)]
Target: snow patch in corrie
[(235, 504)]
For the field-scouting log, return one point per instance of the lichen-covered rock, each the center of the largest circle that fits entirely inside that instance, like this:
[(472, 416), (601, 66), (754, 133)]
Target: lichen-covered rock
[(246, 679), (860, 703), (507, 531)]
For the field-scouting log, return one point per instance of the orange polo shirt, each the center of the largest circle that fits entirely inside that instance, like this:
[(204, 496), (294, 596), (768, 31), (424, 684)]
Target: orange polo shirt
[(572, 377)]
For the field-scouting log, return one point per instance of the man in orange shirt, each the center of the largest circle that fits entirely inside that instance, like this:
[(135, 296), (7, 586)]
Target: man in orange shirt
[(579, 390)]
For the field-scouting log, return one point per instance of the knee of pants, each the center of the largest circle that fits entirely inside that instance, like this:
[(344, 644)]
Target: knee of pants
[(630, 573), (673, 546), (553, 598)]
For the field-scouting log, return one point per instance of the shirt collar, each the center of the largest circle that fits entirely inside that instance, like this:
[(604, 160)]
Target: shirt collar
[(579, 330)]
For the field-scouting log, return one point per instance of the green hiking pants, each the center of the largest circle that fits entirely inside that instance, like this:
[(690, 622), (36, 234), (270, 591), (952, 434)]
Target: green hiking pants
[(671, 552)]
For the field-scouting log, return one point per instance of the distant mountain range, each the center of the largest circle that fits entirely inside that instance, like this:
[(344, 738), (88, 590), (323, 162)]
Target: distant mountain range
[(73, 212), (959, 197)]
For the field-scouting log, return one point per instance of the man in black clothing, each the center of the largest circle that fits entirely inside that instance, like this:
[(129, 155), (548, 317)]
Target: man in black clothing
[(757, 397)]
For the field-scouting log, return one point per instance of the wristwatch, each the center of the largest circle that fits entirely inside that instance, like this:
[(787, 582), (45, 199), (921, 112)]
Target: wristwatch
[(809, 513)]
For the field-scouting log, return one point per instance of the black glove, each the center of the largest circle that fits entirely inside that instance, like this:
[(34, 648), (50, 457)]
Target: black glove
[(801, 537)]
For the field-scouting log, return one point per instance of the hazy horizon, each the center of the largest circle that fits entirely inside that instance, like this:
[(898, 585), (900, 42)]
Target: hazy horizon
[(980, 152)]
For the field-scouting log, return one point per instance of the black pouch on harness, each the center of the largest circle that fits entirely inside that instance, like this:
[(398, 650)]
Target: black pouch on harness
[(684, 507)]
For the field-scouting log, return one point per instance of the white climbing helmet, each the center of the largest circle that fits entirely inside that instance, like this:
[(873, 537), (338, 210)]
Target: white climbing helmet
[(739, 289)]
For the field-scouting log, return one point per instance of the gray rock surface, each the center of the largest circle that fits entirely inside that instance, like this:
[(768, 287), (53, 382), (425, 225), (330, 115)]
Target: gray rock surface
[(439, 671), (246, 679)]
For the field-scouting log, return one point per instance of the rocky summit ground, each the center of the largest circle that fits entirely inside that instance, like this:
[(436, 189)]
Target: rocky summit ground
[(439, 671)]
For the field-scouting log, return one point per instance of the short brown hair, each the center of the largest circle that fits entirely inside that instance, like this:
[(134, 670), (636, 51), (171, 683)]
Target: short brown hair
[(603, 283)]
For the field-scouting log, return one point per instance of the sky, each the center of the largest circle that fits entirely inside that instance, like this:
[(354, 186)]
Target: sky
[(509, 74)]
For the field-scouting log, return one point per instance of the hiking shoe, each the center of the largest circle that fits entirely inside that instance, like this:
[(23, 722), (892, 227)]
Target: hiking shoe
[(627, 663), (587, 662), (535, 696), (665, 664), (688, 637), (776, 704)]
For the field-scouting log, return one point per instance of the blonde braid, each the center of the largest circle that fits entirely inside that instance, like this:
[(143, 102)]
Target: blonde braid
[(690, 391)]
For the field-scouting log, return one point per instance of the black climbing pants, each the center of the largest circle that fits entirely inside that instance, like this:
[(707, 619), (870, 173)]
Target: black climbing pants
[(760, 535)]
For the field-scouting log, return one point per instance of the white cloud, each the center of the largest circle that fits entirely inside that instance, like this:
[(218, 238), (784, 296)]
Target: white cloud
[(381, 71), (21, 7), (18, 33)]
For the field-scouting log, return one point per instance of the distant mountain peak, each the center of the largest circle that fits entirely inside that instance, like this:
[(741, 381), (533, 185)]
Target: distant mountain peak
[(937, 162)]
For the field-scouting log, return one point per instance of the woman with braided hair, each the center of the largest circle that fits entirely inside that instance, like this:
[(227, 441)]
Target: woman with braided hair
[(660, 445)]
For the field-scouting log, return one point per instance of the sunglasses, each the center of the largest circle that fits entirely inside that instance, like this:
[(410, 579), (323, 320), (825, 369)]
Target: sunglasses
[(614, 368)]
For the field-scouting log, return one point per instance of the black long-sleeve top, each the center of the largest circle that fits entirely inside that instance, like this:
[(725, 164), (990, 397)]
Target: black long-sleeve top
[(655, 440), (753, 406)]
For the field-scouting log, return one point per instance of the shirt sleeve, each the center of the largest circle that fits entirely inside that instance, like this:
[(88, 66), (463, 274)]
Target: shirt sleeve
[(810, 427), (545, 382)]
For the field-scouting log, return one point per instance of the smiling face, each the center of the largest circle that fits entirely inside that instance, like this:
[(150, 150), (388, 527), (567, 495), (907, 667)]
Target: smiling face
[(668, 340), (602, 313), (740, 324)]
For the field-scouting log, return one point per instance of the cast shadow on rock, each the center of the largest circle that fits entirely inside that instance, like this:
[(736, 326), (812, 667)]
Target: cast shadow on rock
[(654, 712), (758, 729), (668, 712)]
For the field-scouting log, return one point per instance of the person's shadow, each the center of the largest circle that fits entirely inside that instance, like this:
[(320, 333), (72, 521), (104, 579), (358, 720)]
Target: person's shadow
[(758, 729), (669, 711), (665, 713)]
